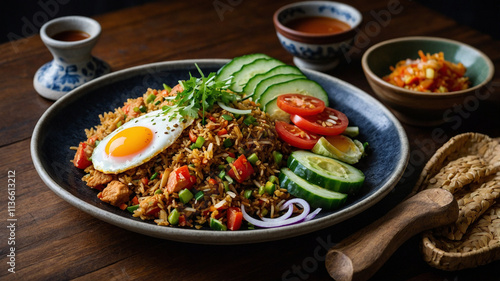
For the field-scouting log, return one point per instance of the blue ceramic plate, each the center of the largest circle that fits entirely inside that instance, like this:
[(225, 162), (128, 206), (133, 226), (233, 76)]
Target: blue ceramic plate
[(63, 124)]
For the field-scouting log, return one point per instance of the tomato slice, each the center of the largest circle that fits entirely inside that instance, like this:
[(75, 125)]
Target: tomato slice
[(300, 104), (330, 122), (81, 160), (295, 136), (182, 218), (180, 178), (243, 167), (234, 218)]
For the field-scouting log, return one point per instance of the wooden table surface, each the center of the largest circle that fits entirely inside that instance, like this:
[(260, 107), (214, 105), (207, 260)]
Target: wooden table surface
[(56, 241)]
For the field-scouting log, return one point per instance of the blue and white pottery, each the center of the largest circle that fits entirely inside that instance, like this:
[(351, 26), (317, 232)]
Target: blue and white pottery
[(320, 52), (73, 64)]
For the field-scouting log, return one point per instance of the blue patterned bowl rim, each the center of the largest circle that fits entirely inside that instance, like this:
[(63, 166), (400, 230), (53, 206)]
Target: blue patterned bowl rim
[(340, 10)]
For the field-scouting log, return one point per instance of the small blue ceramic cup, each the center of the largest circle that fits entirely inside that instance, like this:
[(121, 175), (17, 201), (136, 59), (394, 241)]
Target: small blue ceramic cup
[(73, 64)]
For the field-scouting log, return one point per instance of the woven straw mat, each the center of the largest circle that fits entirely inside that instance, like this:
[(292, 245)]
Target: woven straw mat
[(468, 166)]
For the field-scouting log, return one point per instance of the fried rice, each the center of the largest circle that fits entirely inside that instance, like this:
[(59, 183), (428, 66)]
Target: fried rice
[(144, 186)]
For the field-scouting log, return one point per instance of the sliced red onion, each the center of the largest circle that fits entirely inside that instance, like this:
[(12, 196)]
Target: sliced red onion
[(312, 214), (299, 201), (234, 110), (281, 222)]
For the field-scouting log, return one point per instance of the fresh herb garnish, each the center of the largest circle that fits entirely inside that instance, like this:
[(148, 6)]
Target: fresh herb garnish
[(201, 94)]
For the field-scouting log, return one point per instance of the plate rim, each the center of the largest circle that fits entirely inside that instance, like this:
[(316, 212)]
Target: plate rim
[(209, 236)]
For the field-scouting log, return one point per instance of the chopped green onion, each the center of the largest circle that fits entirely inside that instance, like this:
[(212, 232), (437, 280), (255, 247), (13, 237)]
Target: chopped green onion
[(185, 195), (249, 120), (277, 157), (229, 179), (226, 185), (230, 159), (199, 195), (157, 102), (248, 193), (227, 143), (132, 208), (119, 124), (269, 188), (173, 218), (143, 109), (216, 224), (253, 158), (222, 174), (150, 98), (136, 109), (273, 179), (153, 176), (199, 142), (227, 117), (158, 191), (97, 142), (166, 87), (261, 190), (263, 212)]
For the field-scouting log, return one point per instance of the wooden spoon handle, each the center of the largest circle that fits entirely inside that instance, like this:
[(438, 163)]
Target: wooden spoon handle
[(360, 255)]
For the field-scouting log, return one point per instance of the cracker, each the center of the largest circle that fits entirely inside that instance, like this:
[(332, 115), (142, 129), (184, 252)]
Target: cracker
[(468, 166)]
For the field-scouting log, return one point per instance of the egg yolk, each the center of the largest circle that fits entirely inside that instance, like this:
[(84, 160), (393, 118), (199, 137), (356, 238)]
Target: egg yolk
[(129, 141)]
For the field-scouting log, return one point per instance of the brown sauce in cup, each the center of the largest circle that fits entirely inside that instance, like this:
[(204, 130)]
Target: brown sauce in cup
[(71, 35), (318, 25)]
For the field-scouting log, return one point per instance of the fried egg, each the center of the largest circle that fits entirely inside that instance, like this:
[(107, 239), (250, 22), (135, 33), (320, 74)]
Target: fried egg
[(138, 140)]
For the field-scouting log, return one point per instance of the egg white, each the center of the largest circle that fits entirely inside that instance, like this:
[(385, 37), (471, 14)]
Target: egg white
[(166, 128)]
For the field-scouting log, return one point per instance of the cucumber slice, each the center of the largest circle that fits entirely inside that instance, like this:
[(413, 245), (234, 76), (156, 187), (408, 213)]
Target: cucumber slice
[(266, 83), (340, 147), (247, 71), (316, 196), (300, 86), (277, 113), (326, 172), (235, 64), (281, 69)]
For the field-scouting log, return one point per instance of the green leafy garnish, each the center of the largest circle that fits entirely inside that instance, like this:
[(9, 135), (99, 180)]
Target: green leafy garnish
[(201, 94)]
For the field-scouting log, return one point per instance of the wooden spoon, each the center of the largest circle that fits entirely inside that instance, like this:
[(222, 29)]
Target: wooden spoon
[(360, 255)]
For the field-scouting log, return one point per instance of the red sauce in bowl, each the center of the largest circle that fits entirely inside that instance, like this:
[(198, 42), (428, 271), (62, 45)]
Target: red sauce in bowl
[(71, 35), (318, 25)]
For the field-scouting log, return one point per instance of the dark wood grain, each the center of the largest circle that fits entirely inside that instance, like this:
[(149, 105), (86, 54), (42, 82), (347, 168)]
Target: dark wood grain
[(55, 241)]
